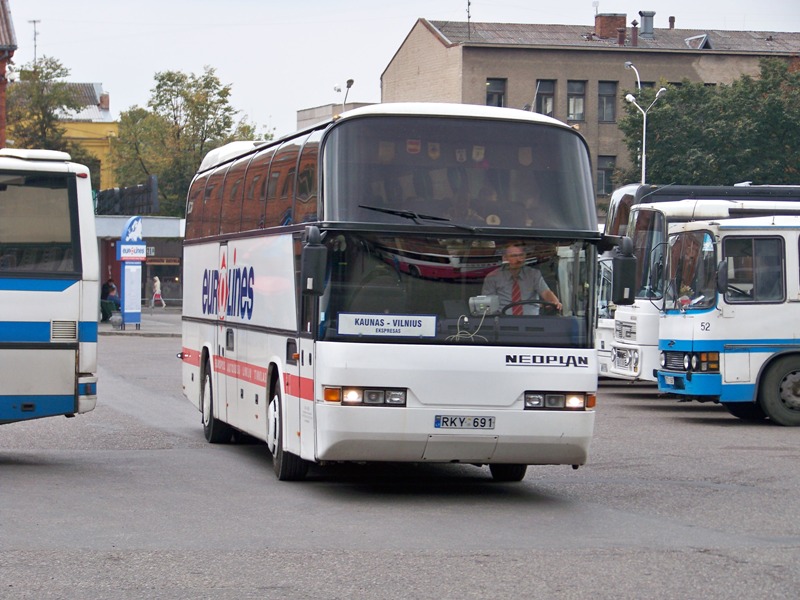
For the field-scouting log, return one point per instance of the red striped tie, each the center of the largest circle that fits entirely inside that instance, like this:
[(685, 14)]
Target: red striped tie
[(516, 296)]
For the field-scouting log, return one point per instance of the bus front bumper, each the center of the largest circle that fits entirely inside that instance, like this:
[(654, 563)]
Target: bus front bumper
[(402, 434)]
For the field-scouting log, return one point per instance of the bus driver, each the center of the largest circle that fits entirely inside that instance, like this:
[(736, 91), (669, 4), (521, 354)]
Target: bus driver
[(517, 282)]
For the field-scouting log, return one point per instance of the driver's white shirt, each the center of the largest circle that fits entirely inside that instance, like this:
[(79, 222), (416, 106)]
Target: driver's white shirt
[(531, 286)]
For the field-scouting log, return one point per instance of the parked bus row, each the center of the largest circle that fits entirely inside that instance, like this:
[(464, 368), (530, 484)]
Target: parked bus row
[(644, 213)]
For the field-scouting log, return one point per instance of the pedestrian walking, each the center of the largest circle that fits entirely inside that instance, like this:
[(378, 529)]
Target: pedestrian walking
[(157, 294)]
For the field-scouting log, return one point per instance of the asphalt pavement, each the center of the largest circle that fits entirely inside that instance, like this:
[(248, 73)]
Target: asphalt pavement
[(155, 322)]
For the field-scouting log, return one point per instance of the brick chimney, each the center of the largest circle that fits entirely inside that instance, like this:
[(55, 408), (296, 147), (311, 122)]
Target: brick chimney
[(606, 25), (105, 101), (672, 22), (634, 33), (621, 36)]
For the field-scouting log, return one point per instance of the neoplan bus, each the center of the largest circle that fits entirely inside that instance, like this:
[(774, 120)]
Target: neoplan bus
[(730, 333), (333, 299), (49, 294), (644, 213)]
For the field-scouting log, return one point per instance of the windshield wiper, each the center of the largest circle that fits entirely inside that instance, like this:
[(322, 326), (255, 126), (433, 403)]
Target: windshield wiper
[(416, 217)]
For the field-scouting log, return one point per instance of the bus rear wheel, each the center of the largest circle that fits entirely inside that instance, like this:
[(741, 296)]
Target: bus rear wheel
[(508, 472), (780, 392), (216, 431), (746, 411), (287, 466)]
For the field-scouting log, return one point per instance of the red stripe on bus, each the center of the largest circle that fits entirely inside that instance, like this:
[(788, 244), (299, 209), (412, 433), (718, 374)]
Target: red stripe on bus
[(190, 356), (241, 370), (302, 387)]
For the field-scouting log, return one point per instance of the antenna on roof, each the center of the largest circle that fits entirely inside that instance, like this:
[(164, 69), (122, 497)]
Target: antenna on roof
[(469, 26), (596, 5), (35, 35)]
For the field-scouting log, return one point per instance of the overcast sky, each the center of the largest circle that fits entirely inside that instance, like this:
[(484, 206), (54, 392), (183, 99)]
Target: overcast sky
[(281, 56)]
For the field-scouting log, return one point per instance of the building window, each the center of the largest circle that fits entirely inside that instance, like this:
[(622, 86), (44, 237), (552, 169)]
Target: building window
[(545, 97), (495, 92), (576, 100), (607, 102), (605, 172)]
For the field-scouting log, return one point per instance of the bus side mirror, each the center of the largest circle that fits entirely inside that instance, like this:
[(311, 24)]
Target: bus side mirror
[(313, 263), (623, 280), (722, 277)]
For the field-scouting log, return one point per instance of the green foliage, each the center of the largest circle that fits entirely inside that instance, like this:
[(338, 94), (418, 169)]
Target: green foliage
[(187, 116), (703, 135), (35, 106)]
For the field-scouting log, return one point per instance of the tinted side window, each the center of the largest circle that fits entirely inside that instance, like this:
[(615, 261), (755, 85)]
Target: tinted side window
[(232, 194)]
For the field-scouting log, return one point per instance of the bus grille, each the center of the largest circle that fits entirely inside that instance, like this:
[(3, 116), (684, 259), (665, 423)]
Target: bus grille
[(673, 361), (63, 330)]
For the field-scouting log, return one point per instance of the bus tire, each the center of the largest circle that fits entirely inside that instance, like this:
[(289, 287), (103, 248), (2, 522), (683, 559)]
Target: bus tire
[(780, 392), (503, 472), (287, 466), (746, 411), (216, 431)]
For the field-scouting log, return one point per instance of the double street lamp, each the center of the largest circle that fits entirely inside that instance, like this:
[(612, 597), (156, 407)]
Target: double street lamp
[(630, 98)]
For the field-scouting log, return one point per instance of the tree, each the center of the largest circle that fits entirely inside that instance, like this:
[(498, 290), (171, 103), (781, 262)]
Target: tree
[(187, 116), (703, 135), (35, 106)]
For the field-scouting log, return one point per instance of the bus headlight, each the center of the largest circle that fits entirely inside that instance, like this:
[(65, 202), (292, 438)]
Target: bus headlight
[(357, 396), (559, 401)]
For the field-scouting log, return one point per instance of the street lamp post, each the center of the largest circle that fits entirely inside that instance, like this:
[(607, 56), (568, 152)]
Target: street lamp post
[(629, 65), (630, 98)]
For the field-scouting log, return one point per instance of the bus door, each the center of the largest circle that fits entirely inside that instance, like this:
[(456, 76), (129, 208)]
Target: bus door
[(306, 364)]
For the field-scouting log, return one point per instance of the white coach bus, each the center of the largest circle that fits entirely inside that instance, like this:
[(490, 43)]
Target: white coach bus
[(730, 329), (49, 294), (333, 301)]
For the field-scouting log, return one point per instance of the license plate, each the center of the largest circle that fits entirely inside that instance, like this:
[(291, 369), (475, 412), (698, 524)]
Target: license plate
[(451, 422), (669, 380)]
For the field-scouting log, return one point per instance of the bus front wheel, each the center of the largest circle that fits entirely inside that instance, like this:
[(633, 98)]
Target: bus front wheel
[(508, 472), (215, 430), (780, 392), (287, 466)]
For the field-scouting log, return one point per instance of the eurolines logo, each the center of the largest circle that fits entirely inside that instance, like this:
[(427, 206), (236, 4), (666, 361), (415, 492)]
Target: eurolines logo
[(228, 292)]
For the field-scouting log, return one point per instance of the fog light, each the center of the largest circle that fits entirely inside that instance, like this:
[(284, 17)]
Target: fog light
[(555, 400), (533, 400), (396, 397), (373, 396)]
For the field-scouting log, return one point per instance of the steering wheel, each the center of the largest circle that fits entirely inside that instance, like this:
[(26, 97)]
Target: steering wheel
[(548, 308)]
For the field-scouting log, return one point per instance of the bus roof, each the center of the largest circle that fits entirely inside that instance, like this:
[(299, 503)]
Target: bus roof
[(709, 208), (760, 222), (34, 154), (234, 150)]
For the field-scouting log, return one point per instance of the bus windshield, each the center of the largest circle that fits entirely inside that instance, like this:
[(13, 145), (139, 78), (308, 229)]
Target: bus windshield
[(692, 271), (424, 289), (36, 228), (501, 174), (647, 230)]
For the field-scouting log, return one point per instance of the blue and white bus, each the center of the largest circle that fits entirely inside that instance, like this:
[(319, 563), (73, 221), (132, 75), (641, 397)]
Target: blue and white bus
[(729, 331), (49, 294)]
